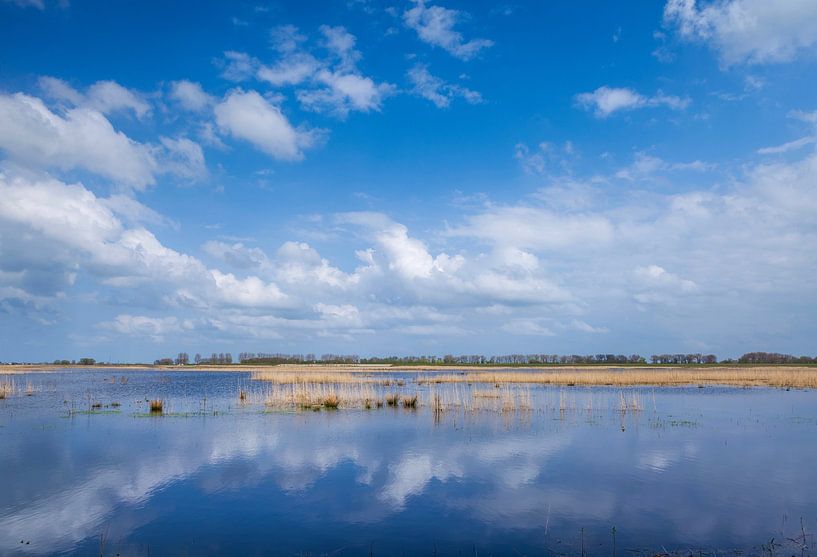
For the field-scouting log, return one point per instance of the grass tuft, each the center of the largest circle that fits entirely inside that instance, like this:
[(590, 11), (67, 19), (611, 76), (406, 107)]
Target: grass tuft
[(410, 401), (331, 401), (392, 399), (157, 406)]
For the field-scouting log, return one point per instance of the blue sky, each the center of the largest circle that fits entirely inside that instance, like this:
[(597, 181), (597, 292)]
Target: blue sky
[(407, 177)]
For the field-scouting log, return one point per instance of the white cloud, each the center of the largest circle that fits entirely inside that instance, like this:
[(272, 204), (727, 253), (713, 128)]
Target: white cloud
[(155, 328), (107, 97), (747, 31), (190, 96), (332, 83), (545, 157), (60, 90), (83, 138), (248, 116), (75, 229), (809, 117), (133, 212), (286, 38), (341, 44), (39, 4), (657, 285), (236, 255), (344, 93), (182, 157), (648, 166), (437, 90), (605, 101), (538, 229), (788, 146), (703, 260), (527, 327), (291, 70), (249, 292), (435, 26), (238, 66)]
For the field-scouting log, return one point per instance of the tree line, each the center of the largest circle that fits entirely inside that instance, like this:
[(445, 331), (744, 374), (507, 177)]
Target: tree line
[(264, 358)]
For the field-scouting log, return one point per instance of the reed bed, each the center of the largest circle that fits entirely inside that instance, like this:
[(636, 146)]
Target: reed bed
[(317, 396), (319, 377), (7, 388), (803, 377)]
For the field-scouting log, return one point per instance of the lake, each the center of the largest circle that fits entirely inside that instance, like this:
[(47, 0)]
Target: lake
[(685, 470)]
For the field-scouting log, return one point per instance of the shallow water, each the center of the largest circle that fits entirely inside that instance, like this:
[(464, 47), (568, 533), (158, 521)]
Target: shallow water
[(714, 469)]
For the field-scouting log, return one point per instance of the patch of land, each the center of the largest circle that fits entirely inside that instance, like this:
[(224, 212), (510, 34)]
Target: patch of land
[(771, 376), (789, 376), (19, 369)]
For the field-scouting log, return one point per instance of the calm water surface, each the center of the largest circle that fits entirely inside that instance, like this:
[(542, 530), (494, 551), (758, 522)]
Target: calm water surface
[(714, 469)]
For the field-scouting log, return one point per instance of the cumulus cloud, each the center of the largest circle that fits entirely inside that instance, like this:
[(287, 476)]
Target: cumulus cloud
[(566, 262), (747, 31), (435, 25), (75, 229), (436, 90), (605, 101), (82, 138), (250, 117), (332, 83)]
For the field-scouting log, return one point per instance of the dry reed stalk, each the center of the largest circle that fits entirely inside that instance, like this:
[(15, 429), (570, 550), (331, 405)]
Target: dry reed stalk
[(315, 396), (6, 388), (484, 393)]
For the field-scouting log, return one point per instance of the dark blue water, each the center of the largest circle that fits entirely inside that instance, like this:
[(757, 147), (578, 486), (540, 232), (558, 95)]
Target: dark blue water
[(715, 469)]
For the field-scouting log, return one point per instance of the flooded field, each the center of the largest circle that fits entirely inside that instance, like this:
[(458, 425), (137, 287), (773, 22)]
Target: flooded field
[(230, 465)]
